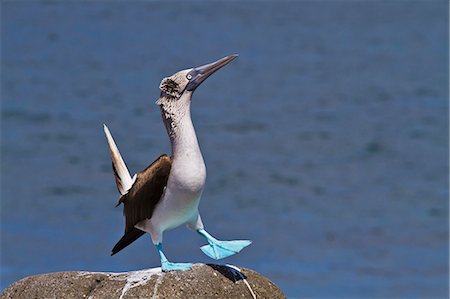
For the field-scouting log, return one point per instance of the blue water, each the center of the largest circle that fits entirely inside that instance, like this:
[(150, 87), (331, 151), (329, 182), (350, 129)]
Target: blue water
[(326, 141)]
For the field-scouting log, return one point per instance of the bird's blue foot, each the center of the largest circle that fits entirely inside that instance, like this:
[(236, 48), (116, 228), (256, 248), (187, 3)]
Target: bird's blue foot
[(221, 249), (167, 266)]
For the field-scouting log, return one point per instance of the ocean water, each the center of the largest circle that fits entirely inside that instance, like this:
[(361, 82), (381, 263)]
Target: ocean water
[(326, 141)]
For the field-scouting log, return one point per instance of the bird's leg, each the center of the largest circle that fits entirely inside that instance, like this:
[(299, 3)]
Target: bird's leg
[(221, 249), (167, 266)]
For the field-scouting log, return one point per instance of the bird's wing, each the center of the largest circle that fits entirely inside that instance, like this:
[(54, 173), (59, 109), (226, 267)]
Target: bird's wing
[(141, 199), (121, 173)]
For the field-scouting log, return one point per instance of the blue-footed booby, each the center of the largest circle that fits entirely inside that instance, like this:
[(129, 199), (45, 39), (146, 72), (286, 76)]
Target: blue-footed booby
[(167, 193)]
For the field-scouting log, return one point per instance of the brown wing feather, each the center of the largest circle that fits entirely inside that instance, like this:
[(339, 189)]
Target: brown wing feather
[(141, 199)]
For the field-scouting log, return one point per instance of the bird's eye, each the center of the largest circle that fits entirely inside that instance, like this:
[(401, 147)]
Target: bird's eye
[(189, 76)]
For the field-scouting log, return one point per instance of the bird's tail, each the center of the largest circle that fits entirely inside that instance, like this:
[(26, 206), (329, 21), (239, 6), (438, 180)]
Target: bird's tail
[(127, 239), (121, 173)]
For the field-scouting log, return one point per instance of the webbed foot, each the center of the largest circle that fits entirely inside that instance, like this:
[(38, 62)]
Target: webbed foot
[(167, 266), (217, 249)]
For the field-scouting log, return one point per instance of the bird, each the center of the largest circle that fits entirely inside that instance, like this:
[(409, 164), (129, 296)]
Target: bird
[(167, 193)]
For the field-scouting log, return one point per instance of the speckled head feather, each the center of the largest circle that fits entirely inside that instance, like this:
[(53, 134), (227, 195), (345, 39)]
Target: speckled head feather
[(173, 87)]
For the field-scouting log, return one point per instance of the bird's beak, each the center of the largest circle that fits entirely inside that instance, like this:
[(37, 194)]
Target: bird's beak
[(201, 73)]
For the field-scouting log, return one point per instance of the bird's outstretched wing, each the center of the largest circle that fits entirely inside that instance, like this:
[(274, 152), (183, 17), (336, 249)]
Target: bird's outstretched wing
[(141, 199), (140, 193)]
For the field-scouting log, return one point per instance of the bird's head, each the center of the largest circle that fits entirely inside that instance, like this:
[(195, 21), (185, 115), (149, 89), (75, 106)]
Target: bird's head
[(182, 84)]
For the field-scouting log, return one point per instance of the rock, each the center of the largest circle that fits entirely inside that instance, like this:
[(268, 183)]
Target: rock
[(203, 281)]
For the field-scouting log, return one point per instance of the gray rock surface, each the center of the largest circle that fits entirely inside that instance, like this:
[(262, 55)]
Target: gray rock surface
[(203, 281)]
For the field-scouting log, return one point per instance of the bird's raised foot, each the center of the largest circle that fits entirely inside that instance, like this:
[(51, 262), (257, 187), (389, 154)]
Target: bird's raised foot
[(168, 266), (221, 249)]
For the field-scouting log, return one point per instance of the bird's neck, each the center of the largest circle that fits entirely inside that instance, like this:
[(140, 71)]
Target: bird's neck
[(181, 132), (184, 140), (188, 172)]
